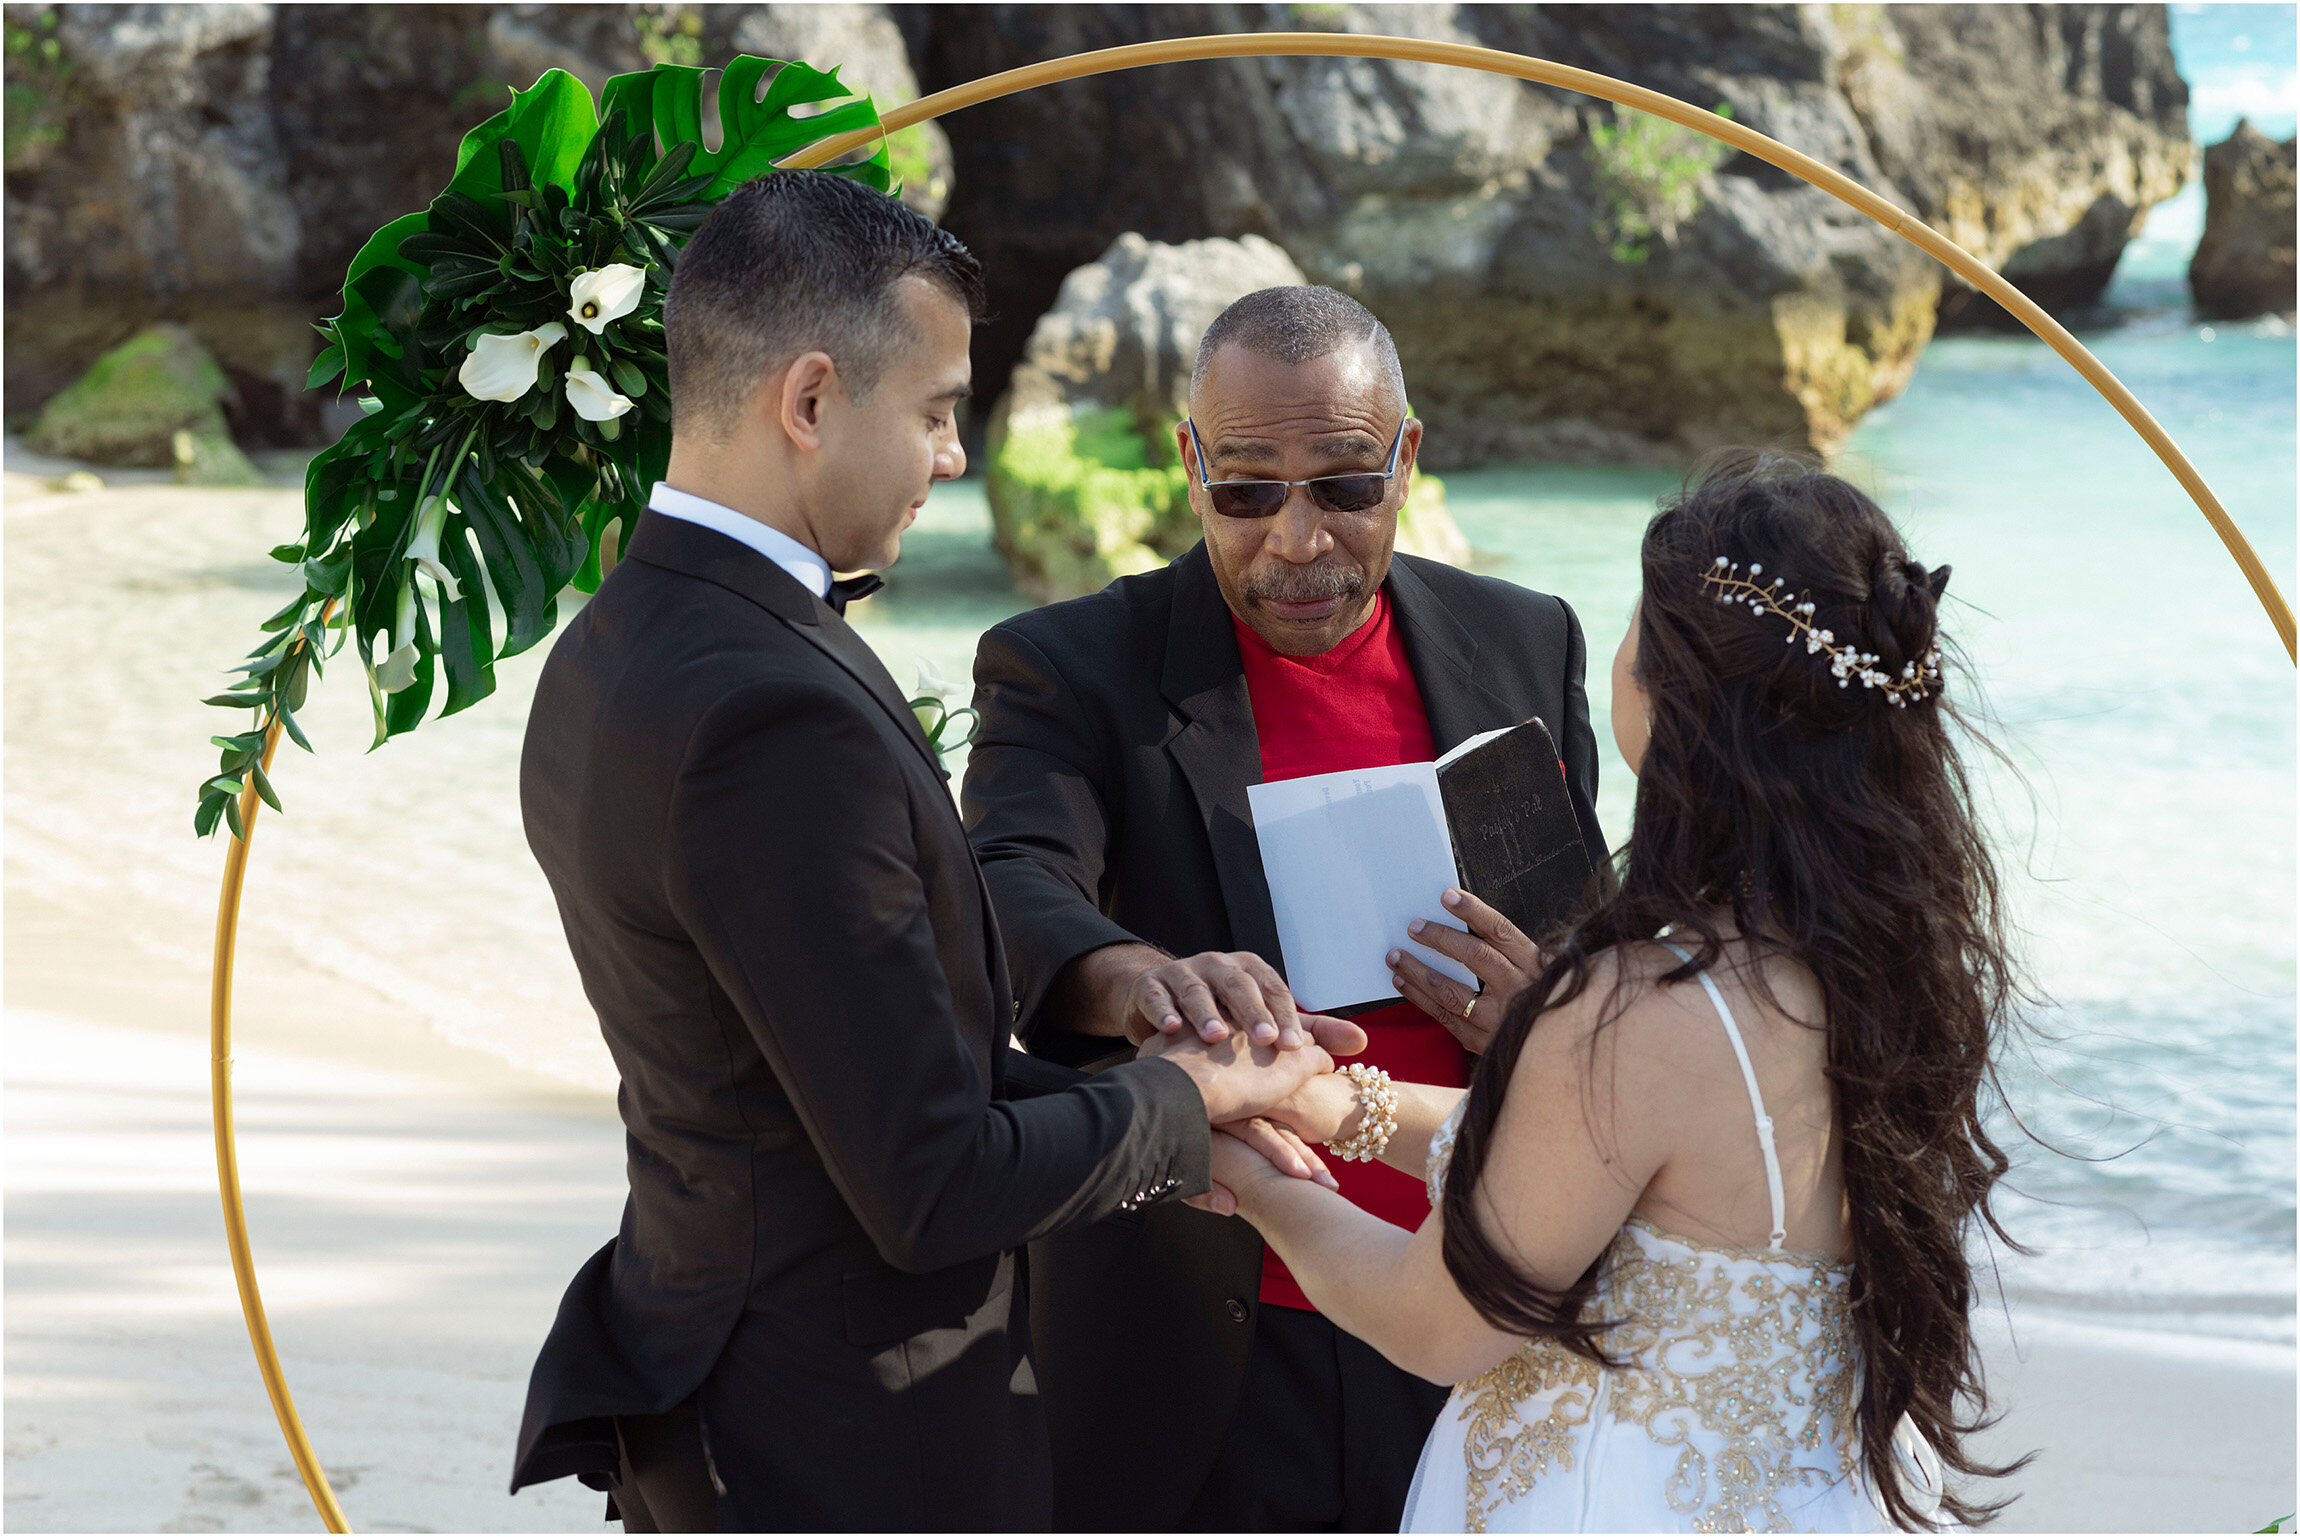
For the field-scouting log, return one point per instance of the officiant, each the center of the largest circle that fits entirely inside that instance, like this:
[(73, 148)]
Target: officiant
[(1106, 800)]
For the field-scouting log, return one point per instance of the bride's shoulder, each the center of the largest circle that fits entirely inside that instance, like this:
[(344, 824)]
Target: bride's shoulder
[(1630, 1008)]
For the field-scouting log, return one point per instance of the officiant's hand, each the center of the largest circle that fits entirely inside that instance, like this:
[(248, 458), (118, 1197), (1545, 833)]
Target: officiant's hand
[(1215, 993), (1240, 1079), (1496, 952)]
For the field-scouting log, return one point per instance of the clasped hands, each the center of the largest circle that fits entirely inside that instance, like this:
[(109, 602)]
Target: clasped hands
[(1266, 1066)]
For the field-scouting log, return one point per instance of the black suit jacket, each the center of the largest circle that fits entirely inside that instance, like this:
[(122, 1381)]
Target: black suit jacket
[(1106, 797), (774, 910)]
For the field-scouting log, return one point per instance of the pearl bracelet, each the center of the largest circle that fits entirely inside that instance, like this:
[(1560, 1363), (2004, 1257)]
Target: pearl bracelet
[(1379, 1123)]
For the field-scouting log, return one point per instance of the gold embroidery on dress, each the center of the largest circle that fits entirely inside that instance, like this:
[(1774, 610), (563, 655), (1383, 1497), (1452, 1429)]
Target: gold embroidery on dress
[(1503, 1448), (1735, 1358)]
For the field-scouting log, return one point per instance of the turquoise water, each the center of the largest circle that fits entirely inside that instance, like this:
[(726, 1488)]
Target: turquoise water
[(2147, 817)]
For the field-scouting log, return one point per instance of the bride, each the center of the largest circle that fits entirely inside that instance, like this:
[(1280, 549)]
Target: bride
[(1696, 1258)]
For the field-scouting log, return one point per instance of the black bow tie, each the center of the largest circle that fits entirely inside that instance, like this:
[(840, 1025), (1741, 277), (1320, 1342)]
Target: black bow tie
[(852, 590)]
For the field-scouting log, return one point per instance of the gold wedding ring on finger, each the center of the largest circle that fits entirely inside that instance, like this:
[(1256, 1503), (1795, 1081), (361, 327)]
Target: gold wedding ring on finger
[(1468, 1009)]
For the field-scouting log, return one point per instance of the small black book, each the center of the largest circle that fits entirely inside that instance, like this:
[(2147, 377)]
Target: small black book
[(1515, 837)]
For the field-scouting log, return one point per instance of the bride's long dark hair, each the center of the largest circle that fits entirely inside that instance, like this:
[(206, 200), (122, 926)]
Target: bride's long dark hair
[(1838, 831)]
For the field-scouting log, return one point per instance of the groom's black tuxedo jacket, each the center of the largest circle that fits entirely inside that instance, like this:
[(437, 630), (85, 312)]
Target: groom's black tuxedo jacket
[(1106, 797), (832, 1150)]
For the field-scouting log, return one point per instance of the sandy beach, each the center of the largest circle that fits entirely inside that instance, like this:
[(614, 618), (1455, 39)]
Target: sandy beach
[(413, 1225), (417, 1204)]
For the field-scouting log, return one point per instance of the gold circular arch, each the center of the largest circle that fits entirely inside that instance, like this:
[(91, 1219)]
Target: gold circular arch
[(1174, 51)]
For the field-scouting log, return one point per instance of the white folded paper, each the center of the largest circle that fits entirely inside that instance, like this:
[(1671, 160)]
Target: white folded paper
[(1351, 859)]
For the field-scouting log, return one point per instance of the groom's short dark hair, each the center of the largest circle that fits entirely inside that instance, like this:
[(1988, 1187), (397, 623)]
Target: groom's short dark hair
[(798, 261)]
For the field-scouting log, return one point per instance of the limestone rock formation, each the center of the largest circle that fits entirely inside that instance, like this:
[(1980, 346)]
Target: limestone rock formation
[(218, 165), (2046, 135), (2244, 264), (1561, 281), (154, 400), (1085, 481), (1124, 330)]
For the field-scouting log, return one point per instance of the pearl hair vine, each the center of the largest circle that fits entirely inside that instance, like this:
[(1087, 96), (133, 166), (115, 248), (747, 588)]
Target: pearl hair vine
[(1917, 681)]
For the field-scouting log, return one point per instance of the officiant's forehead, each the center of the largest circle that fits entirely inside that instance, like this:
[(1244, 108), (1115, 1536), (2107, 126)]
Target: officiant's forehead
[(1249, 406)]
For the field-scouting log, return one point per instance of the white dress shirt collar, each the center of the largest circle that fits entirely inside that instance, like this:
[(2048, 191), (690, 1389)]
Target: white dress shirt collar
[(806, 568)]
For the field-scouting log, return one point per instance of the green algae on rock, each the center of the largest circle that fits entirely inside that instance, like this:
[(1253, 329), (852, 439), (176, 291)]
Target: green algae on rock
[(128, 409), (1081, 495)]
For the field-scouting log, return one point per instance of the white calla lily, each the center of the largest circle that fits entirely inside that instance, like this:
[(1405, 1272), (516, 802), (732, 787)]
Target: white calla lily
[(397, 671), (931, 683), (593, 398), (423, 549), (604, 294), (503, 367)]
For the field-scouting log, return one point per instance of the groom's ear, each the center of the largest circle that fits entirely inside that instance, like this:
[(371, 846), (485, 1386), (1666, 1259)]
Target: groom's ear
[(799, 396)]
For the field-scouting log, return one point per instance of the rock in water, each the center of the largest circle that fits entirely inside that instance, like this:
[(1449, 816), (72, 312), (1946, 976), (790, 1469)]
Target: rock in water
[(1086, 481), (2039, 139), (155, 400), (2244, 264)]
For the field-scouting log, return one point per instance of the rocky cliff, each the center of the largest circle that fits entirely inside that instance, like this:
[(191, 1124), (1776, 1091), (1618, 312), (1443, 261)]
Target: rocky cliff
[(219, 165), (2244, 264), (1562, 283)]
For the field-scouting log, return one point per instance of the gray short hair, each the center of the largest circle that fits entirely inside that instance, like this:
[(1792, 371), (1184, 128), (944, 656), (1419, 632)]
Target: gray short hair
[(1295, 324), (793, 262)]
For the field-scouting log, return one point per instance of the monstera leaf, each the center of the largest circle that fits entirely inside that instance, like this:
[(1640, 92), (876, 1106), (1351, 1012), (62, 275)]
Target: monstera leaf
[(755, 103), (441, 529)]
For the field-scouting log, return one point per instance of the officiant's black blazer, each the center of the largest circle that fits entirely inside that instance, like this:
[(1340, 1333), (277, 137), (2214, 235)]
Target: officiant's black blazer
[(832, 1150), (1106, 797)]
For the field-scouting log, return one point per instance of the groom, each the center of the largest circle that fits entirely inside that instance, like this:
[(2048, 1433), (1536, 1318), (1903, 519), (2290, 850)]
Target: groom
[(813, 1316)]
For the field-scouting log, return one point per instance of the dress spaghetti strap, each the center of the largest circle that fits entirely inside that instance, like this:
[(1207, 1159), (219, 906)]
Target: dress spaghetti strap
[(1773, 1185)]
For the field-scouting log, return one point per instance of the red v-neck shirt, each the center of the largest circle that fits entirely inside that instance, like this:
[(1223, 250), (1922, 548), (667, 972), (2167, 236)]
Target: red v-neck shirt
[(1356, 706)]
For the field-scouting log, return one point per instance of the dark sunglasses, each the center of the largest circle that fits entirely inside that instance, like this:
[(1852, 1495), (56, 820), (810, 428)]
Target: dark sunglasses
[(1361, 492)]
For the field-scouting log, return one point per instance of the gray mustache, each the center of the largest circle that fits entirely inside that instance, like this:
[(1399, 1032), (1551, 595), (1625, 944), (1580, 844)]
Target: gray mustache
[(1309, 585)]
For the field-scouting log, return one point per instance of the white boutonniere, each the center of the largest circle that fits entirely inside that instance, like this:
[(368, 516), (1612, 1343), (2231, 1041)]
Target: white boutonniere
[(931, 704)]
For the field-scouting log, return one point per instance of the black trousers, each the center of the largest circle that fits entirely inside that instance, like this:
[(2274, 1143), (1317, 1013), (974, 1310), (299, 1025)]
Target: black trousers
[(664, 1483), (1326, 1436)]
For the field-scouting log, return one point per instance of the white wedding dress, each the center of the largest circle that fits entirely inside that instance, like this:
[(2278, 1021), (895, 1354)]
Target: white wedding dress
[(1732, 1410)]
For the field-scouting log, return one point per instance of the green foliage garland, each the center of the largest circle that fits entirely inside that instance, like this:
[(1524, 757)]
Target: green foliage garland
[(508, 345)]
